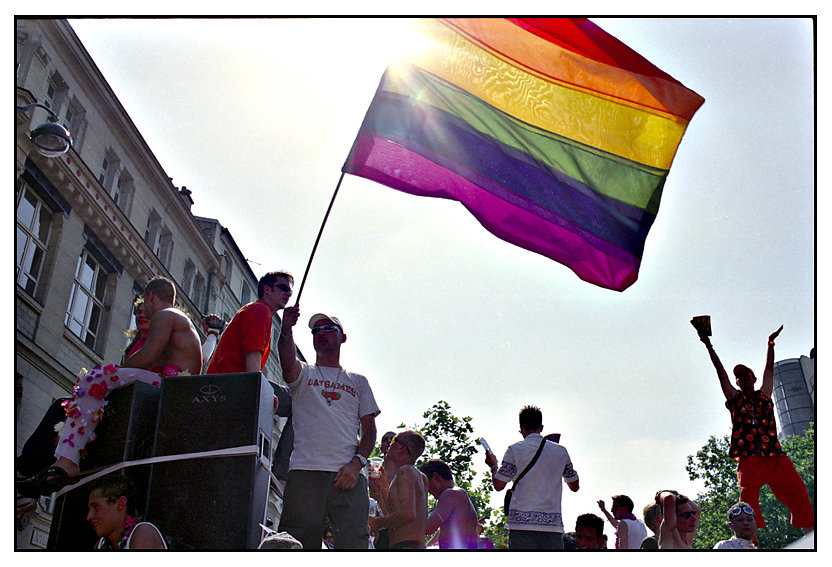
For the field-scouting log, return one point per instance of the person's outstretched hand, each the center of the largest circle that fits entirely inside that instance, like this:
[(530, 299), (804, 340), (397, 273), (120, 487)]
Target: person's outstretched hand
[(290, 316), (773, 335)]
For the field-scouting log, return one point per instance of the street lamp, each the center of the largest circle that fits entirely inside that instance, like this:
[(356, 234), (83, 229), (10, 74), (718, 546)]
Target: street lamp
[(50, 138)]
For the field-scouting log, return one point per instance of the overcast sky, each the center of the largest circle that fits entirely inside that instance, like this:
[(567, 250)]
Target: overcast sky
[(257, 118)]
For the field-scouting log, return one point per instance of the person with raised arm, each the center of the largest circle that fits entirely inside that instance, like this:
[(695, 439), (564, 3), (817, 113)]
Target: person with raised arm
[(334, 417), (754, 444)]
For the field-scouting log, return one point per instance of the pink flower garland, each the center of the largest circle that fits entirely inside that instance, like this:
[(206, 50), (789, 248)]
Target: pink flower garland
[(129, 525)]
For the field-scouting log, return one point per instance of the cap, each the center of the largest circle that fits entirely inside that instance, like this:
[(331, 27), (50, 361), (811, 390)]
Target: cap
[(319, 316)]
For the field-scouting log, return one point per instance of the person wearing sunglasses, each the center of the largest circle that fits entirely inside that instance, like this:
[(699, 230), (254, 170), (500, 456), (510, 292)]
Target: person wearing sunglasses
[(404, 502), (245, 343), (334, 417), (742, 521), (629, 530), (680, 520), (754, 445)]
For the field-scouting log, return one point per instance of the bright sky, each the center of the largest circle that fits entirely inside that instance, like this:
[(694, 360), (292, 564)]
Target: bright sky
[(257, 117)]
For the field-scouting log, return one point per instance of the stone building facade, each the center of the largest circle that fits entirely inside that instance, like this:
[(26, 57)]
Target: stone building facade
[(92, 227)]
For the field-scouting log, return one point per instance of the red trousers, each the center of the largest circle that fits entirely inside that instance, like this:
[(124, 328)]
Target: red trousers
[(785, 483)]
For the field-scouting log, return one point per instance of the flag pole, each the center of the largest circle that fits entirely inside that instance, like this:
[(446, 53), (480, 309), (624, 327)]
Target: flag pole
[(318, 239)]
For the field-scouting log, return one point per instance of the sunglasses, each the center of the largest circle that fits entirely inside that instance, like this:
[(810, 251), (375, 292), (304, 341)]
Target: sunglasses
[(738, 510), (395, 441), (328, 329), (687, 515), (281, 287)]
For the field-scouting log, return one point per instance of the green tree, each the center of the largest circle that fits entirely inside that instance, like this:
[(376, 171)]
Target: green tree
[(717, 470), (450, 438)]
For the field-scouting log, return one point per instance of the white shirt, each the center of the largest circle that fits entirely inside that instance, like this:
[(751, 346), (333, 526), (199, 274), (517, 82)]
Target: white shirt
[(535, 504), (636, 532), (735, 543), (327, 407)]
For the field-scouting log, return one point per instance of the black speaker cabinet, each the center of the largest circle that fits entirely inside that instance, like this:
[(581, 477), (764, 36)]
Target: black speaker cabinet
[(126, 429), (125, 433), (213, 502), (70, 530)]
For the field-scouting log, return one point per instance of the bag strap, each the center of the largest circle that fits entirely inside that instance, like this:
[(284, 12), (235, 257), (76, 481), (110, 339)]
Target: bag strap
[(530, 465)]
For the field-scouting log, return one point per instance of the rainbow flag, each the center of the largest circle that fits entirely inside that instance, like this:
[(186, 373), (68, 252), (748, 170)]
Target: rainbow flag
[(556, 136)]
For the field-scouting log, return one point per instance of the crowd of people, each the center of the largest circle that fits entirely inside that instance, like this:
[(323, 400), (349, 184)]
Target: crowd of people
[(333, 499)]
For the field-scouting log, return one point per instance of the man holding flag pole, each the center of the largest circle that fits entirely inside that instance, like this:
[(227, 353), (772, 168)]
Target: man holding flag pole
[(329, 406)]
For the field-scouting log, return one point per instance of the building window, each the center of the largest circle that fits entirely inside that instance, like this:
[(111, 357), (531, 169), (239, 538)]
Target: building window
[(68, 117), (151, 231), (56, 94), (199, 286), (188, 277), (107, 173), (117, 192), (123, 192), (245, 294), (34, 220), (165, 249), (86, 302), (102, 174), (49, 98)]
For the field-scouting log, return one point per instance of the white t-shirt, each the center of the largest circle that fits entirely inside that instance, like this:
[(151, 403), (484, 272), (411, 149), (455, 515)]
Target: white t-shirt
[(327, 407), (535, 504), (735, 543)]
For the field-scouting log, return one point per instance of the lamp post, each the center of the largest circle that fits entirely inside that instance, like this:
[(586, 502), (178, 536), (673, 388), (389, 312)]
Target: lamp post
[(50, 138)]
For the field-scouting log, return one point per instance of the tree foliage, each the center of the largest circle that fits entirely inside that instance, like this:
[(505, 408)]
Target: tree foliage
[(450, 438), (717, 470)]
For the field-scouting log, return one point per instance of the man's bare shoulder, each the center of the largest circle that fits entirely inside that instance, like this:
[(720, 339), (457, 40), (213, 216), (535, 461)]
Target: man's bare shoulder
[(409, 471), (169, 313), (175, 316), (176, 312), (452, 495), (145, 536), (408, 475)]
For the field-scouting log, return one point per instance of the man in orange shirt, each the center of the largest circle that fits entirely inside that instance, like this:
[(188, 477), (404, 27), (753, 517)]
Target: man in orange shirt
[(246, 342)]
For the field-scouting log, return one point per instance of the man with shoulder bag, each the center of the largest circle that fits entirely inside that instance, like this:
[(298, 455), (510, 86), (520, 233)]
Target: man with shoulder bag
[(533, 505)]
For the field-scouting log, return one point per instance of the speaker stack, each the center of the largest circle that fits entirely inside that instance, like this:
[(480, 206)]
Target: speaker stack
[(216, 502), (216, 498), (125, 433)]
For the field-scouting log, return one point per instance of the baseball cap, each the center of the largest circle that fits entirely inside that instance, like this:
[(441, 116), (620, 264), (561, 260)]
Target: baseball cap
[(321, 316)]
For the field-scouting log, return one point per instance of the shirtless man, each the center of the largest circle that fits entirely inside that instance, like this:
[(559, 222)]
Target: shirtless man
[(172, 340), (404, 503), (454, 514), (681, 518), (172, 346)]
